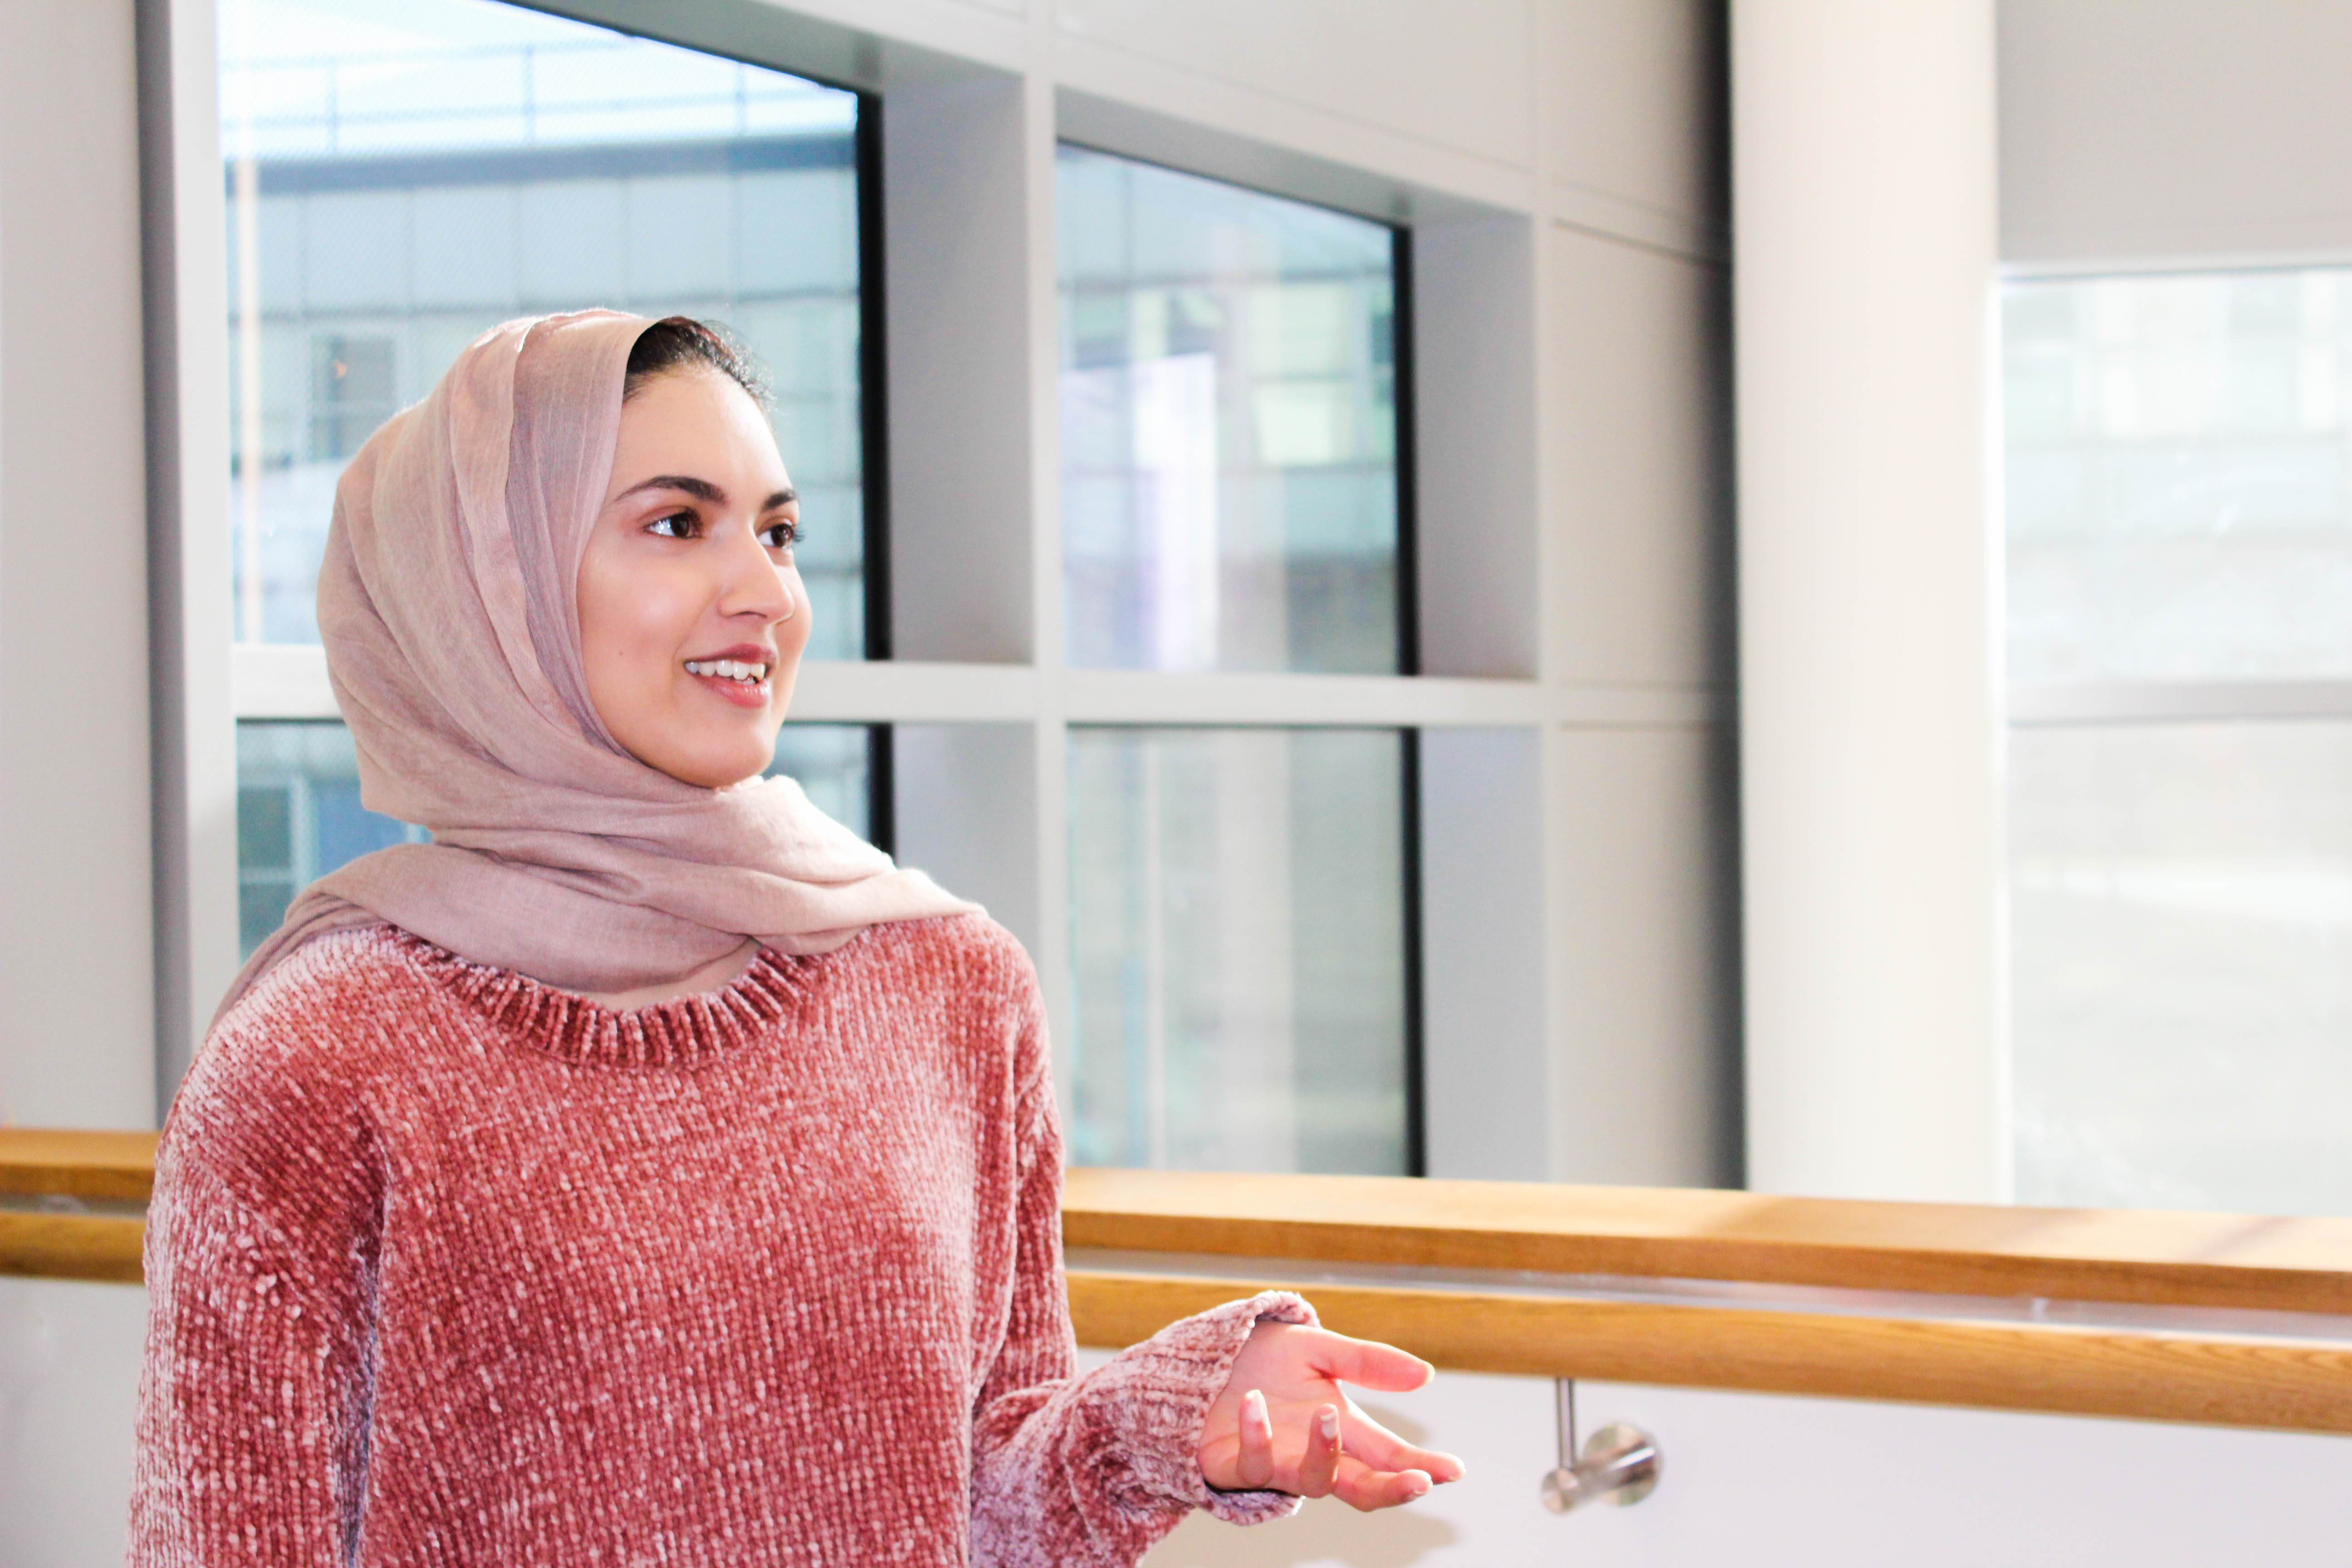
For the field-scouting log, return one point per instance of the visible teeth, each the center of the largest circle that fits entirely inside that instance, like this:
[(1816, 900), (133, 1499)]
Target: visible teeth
[(729, 670)]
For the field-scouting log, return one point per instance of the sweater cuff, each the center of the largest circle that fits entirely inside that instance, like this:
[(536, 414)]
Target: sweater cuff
[(1169, 1383)]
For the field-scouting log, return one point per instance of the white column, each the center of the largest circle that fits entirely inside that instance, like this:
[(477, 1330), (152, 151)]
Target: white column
[(1864, 194), (77, 915)]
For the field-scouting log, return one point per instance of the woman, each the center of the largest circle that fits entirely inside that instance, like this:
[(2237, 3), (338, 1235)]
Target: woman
[(647, 1171)]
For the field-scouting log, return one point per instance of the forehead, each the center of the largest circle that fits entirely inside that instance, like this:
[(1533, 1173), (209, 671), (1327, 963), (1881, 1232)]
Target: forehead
[(695, 422)]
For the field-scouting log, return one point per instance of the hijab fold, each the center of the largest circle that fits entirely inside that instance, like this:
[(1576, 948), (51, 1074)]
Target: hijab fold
[(451, 625)]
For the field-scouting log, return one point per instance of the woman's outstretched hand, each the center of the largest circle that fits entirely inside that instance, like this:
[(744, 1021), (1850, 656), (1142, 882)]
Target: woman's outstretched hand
[(1282, 1422)]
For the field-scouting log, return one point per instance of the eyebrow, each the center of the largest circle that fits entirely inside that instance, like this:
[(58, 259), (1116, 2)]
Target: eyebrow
[(704, 490)]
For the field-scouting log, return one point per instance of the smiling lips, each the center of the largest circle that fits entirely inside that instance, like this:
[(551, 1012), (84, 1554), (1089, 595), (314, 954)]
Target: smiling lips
[(743, 682)]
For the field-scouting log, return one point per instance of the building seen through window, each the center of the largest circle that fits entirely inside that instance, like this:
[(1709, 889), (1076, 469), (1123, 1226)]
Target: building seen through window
[(403, 174), (1237, 933), (1229, 426), (297, 817), (2180, 544)]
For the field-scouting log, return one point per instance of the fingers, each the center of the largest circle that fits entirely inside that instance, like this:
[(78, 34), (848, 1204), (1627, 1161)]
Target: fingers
[(1370, 1363), (1363, 1488), (1254, 1461), (1318, 1466), (1382, 1449)]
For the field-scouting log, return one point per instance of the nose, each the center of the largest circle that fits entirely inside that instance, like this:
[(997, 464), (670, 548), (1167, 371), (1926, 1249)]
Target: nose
[(750, 584)]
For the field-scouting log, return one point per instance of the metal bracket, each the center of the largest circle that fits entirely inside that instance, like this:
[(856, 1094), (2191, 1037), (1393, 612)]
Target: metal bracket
[(1622, 1462)]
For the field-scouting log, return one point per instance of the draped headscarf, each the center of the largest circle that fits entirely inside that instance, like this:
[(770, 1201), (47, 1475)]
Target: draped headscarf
[(447, 607)]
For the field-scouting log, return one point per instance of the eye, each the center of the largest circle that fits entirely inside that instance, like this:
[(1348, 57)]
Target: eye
[(782, 534), (676, 525)]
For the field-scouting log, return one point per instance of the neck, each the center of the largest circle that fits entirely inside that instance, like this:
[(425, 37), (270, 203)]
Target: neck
[(709, 977)]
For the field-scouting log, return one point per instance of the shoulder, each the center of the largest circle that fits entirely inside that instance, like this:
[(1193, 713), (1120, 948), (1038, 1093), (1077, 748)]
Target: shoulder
[(328, 999), (968, 955), (962, 982), (283, 1078)]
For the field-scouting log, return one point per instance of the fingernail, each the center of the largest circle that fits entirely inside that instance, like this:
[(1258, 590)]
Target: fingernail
[(1418, 1485), (1330, 1421)]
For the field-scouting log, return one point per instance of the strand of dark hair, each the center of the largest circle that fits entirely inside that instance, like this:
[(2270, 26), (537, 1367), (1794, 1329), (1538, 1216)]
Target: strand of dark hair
[(681, 343)]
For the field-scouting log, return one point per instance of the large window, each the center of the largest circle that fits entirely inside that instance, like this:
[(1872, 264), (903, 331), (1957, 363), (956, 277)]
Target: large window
[(405, 174), (1232, 500), (2179, 531)]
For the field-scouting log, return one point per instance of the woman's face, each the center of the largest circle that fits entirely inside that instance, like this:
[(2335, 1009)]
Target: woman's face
[(692, 616)]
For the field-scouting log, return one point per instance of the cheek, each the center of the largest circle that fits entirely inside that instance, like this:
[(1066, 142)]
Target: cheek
[(631, 626)]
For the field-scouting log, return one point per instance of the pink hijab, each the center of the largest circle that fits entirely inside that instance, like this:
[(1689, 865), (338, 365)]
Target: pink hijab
[(452, 632)]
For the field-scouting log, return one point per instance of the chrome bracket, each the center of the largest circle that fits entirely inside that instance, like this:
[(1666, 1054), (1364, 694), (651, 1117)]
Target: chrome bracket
[(1621, 1463)]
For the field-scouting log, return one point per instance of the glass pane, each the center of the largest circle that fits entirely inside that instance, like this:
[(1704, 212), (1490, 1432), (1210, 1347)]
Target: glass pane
[(298, 815), (1237, 934), (833, 763), (1229, 428), (2179, 507), (403, 174), (2183, 969)]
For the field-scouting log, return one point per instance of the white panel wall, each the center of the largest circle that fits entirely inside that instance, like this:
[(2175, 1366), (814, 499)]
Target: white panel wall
[(1763, 1481), (1637, 429), (68, 1394), (1634, 104), (2179, 131), (1648, 1063), (1482, 954), (1453, 75), (77, 1028)]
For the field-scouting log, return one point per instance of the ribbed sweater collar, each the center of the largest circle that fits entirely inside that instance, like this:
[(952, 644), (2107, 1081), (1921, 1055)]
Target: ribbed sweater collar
[(683, 1032)]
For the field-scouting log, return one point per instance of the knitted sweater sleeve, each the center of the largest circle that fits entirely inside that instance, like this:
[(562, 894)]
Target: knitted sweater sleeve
[(253, 1405), (1089, 1471)]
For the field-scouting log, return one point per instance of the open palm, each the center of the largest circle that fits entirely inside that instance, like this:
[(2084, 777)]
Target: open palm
[(1283, 1421)]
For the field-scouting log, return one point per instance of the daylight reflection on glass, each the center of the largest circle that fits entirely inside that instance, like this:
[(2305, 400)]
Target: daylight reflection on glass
[(2179, 503), (1238, 945), (403, 174), (2182, 909), (1229, 426)]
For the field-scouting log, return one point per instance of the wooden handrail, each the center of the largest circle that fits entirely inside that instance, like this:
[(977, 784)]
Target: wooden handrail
[(2224, 1380), (2079, 1255), (1281, 1229), (50, 1163)]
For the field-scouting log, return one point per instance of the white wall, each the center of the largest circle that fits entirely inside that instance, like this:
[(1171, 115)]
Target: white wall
[(1765, 1481), (77, 1029), (2174, 130), (68, 1392)]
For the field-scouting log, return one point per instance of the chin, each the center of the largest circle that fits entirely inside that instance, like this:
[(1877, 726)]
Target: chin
[(718, 768), (729, 775)]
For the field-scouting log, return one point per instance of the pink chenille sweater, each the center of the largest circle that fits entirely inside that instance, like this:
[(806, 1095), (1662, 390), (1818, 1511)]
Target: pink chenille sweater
[(449, 1268)]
